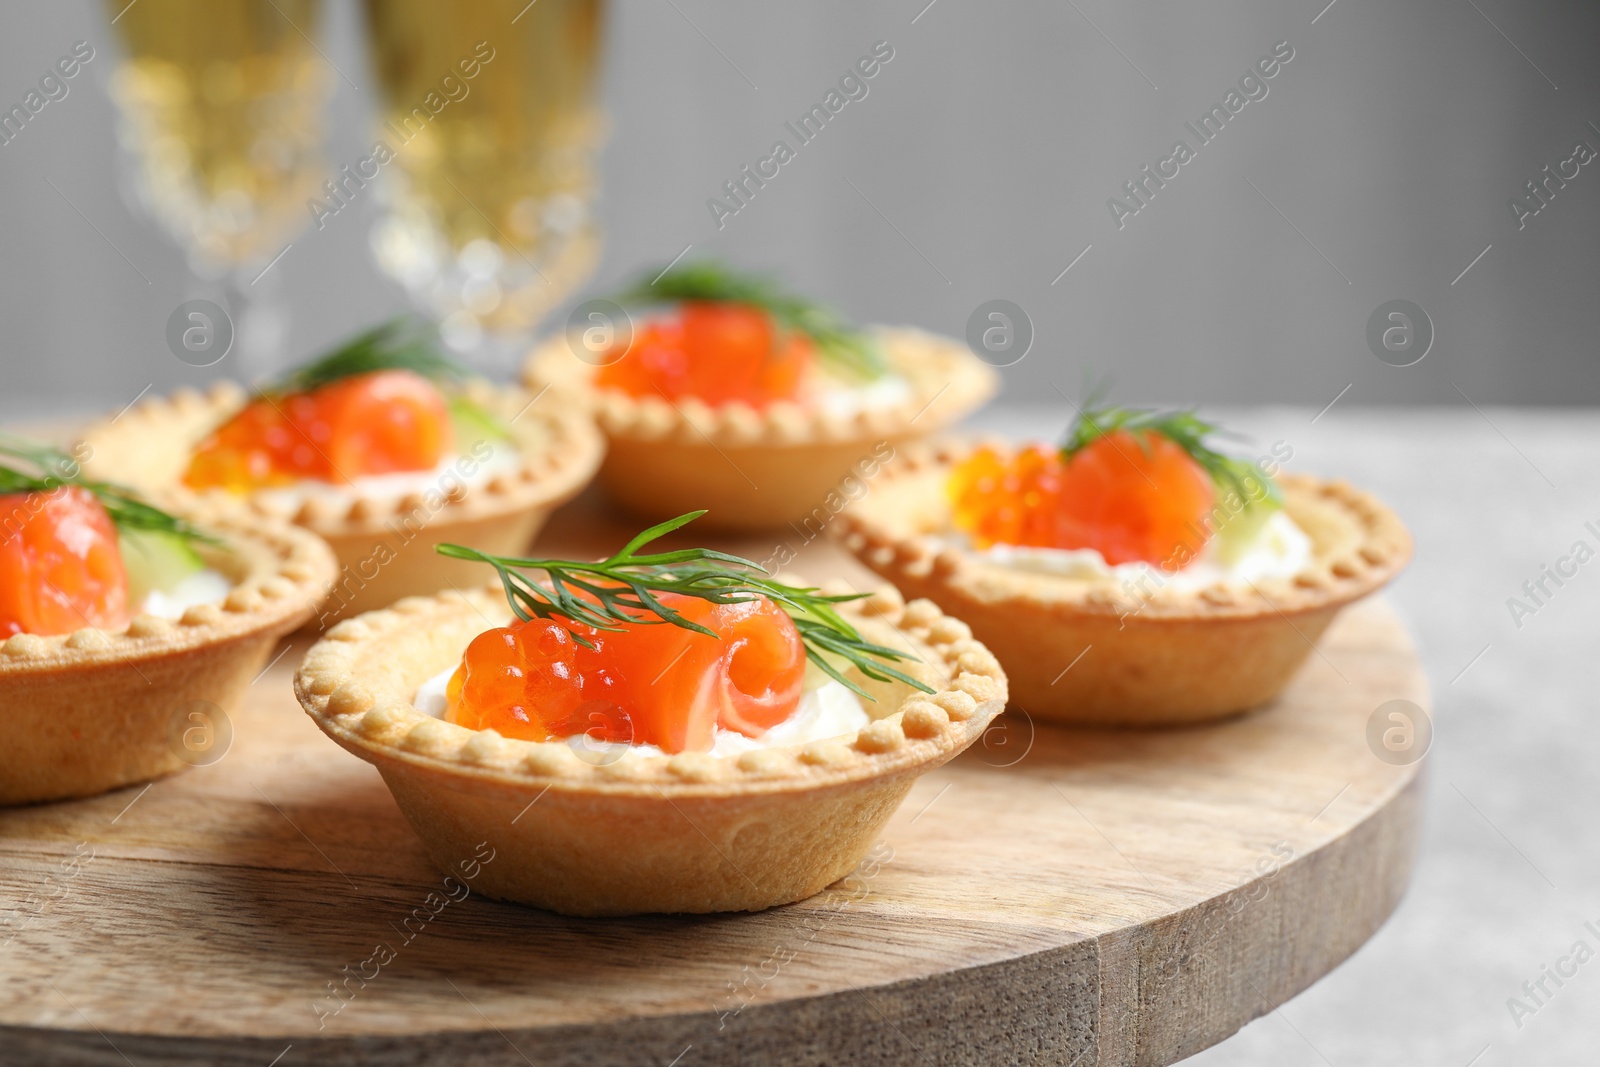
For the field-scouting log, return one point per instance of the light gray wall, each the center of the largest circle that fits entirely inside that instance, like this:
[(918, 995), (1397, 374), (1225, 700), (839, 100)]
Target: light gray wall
[(978, 166)]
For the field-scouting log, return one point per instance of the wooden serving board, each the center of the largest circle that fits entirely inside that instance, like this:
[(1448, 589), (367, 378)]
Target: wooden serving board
[(1053, 896)]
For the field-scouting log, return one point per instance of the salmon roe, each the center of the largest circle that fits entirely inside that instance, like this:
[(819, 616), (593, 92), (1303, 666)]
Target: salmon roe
[(1130, 495), (648, 683), (376, 423), (60, 564), (718, 353)]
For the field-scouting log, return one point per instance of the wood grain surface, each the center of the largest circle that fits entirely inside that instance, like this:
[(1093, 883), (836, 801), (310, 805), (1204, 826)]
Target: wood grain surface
[(1053, 896)]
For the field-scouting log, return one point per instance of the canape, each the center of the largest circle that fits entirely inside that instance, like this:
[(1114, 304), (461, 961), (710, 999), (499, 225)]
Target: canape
[(382, 448), (755, 404), (656, 732), (126, 631), (1132, 576)]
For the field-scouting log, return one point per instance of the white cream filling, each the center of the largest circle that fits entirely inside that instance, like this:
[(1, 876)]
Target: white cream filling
[(828, 710), (1279, 550), (466, 469), (841, 400), (201, 587)]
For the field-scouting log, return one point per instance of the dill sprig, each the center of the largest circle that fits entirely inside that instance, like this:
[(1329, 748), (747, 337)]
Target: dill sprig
[(402, 343), (54, 468), (846, 347), (1183, 428), (624, 590)]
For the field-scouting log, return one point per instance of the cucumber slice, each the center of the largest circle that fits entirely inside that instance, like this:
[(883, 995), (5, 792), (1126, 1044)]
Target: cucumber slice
[(1238, 535), (156, 561), (473, 423)]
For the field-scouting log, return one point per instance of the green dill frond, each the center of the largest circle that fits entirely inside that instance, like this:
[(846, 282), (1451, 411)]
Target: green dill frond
[(624, 590), (403, 343), (1185, 429)]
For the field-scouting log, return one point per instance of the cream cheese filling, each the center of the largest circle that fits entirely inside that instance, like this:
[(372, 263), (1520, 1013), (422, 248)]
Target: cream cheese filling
[(201, 587), (841, 400), (469, 470), (1280, 549), (826, 710)]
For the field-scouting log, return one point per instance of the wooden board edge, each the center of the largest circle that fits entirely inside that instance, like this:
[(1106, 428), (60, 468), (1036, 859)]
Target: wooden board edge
[(1049, 1007)]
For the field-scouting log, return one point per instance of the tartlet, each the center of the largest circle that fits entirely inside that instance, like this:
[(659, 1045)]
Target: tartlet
[(1090, 651), (690, 832), (769, 456), (93, 710), (383, 542)]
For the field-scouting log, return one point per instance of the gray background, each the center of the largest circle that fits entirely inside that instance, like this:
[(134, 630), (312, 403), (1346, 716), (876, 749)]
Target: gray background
[(981, 162), (991, 143)]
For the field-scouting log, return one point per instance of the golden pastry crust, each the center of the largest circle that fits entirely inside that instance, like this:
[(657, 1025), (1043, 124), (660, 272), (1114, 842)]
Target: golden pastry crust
[(583, 833), (755, 469), (383, 543), (1151, 655), (93, 710)]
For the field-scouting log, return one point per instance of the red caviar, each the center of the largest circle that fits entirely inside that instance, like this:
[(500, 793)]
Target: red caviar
[(1129, 495), (718, 353), (60, 564), (649, 683), (376, 423)]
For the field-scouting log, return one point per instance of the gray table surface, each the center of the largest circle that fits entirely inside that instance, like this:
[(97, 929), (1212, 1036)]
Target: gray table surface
[(1508, 871)]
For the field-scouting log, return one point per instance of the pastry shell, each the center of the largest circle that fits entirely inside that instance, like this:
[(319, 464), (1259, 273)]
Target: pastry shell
[(1101, 653), (90, 711), (758, 469), (583, 833), (384, 544)]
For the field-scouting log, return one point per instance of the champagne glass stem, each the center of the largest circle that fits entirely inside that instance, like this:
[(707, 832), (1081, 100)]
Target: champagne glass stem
[(260, 322)]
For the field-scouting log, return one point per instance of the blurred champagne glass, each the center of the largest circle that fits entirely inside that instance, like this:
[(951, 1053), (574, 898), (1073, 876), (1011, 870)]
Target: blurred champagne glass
[(221, 107), (490, 112)]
